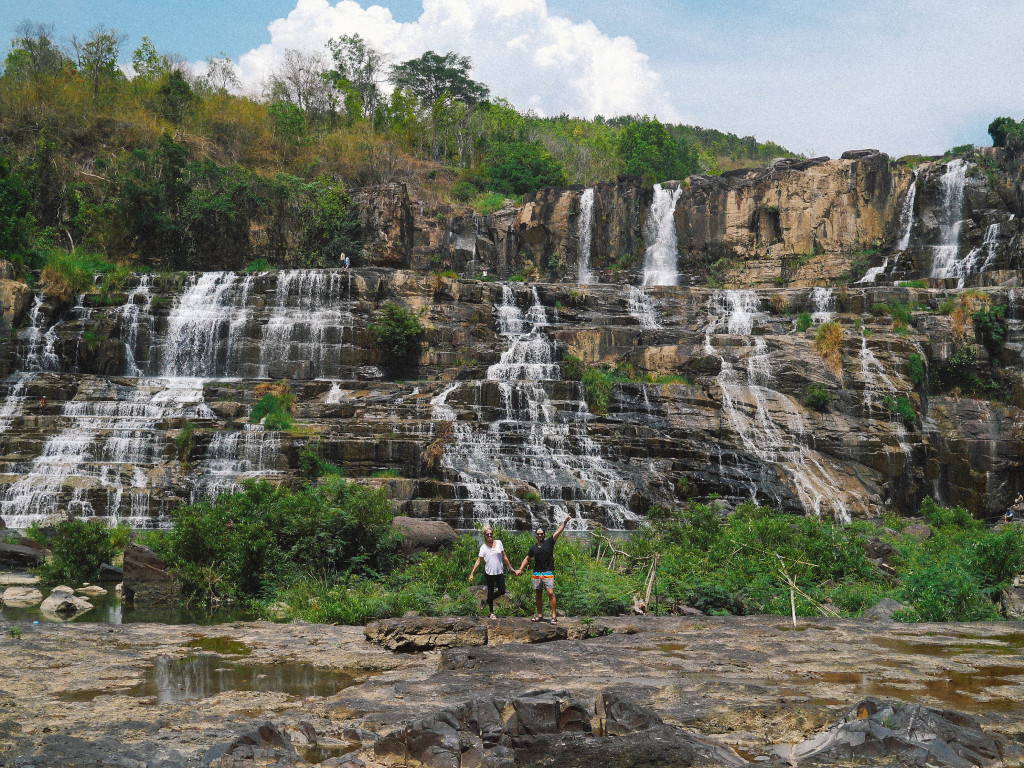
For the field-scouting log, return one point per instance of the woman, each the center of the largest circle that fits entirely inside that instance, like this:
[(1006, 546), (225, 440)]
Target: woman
[(492, 555)]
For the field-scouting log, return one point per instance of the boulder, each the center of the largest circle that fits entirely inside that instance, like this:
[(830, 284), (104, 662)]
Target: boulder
[(266, 745), (424, 535), (918, 531), (20, 556), (882, 732), (884, 609), (62, 602), (426, 633), (91, 590), (1012, 602), (620, 715), (524, 631), (21, 597), (110, 573), (146, 578)]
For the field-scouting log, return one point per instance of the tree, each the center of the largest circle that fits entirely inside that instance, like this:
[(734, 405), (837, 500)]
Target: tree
[(33, 53), (97, 56), (432, 75), (646, 148), (524, 166), (301, 81), (221, 75), (16, 221), (359, 67), (147, 62), (1007, 132), (175, 96)]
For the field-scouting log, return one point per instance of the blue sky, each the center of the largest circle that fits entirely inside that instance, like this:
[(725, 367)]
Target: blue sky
[(819, 78)]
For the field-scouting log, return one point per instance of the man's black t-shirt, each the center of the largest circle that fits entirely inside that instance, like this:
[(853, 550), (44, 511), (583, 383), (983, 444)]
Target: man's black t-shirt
[(543, 555)]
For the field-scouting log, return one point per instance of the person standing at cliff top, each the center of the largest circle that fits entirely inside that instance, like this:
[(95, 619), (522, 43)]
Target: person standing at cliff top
[(492, 554), (543, 554)]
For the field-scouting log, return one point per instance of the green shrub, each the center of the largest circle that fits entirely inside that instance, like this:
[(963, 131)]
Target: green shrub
[(916, 370), (525, 166), (487, 203), (990, 325), (879, 310), (313, 465), (464, 191), (597, 389), (184, 442), (273, 412), (913, 284), (901, 315), (947, 516), (258, 265), (818, 397), (79, 548), (955, 371), (254, 541), (395, 331), (803, 321), (901, 407), (572, 368)]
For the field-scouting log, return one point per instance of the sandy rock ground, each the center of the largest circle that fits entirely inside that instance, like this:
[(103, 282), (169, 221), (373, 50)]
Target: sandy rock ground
[(748, 681)]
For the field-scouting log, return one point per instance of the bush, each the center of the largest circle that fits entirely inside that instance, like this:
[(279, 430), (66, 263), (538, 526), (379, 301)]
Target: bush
[(913, 284), (955, 372), (68, 274), (79, 548), (828, 343), (818, 397), (464, 191), (330, 225), (942, 517), (514, 168), (395, 331), (572, 368), (901, 407), (597, 389), (990, 325), (803, 322), (916, 370), (901, 315), (252, 542), (272, 411), (258, 265), (184, 442), (488, 203)]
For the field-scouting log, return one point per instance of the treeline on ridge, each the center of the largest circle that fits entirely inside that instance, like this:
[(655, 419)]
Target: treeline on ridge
[(170, 169)]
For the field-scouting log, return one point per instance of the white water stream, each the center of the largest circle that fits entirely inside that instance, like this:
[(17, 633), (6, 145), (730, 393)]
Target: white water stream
[(585, 226)]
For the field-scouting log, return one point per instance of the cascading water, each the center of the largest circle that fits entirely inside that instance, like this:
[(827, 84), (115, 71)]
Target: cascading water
[(662, 256), (822, 301), (136, 310), (536, 441), (906, 230), (234, 456), (751, 409), (988, 249), (14, 403), (946, 262), (585, 226), (641, 307)]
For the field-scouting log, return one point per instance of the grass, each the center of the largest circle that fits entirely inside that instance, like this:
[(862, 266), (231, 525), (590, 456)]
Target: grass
[(68, 274), (828, 343), (487, 203)]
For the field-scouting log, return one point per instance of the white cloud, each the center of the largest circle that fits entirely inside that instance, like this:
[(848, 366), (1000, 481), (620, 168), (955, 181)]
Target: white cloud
[(521, 51)]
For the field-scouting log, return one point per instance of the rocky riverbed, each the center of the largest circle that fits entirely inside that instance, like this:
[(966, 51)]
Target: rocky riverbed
[(160, 695)]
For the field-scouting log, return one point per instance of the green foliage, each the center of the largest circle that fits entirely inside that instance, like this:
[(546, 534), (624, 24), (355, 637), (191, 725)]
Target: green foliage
[(916, 369), (255, 540), (955, 371), (16, 221), (572, 368), (646, 148), (66, 275), (395, 331), (901, 407), (1007, 132), (947, 516), (817, 396), (913, 284), (901, 314), (990, 325), (514, 168), (487, 203), (184, 442), (803, 322), (79, 548), (258, 265), (432, 75), (15, 632), (597, 388), (331, 227), (532, 497), (313, 465), (273, 411), (464, 191)]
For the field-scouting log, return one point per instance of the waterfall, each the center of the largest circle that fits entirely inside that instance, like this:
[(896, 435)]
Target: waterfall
[(39, 343), (641, 306), (233, 456), (137, 308), (906, 229), (14, 404), (585, 226), (200, 319), (662, 256), (103, 447), (822, 301), (988, 248), (946, 261), (534, 441), (751, 410)]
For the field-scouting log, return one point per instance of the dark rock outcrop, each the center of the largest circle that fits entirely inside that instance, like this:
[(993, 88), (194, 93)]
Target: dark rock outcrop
[(423, 633), (424, 535), (146, 578)]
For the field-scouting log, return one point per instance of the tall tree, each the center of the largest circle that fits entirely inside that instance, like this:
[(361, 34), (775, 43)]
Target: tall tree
[(646, 148), (97, 55), (301, 81), (432, 75), (221, 75), (147, 62), (359, 65), (33, 52)]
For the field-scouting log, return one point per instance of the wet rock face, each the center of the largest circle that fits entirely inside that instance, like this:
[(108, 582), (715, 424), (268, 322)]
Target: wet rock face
[(386, 219)]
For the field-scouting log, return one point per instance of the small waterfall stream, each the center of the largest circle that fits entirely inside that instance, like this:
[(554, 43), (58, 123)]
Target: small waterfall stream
[(906, 230), (662, 256), (751, 409), (822, 301), (585, 227), (535, 441), (946, 262)]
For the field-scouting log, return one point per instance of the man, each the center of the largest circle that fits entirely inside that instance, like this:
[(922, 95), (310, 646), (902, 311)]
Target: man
[(543, 554)]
